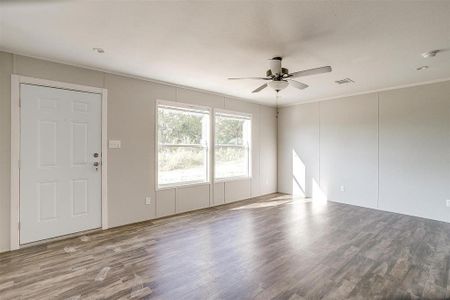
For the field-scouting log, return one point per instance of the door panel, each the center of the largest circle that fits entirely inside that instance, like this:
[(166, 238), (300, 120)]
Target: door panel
[(60, 189)]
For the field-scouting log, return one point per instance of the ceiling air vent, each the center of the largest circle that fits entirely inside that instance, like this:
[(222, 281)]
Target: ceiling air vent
[(344, 81)]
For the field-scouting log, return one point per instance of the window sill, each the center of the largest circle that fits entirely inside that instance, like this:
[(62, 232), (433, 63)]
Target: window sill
[(182, 185), (195, 183), (239, 178)]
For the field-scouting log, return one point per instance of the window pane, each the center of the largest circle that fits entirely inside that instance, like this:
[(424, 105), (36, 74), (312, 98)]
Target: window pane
[(232, 145), (229, 131), (181, 164), (180, 127), (231, 162)]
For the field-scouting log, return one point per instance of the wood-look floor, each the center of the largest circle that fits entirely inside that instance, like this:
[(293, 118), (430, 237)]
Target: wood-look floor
[(268, 247)]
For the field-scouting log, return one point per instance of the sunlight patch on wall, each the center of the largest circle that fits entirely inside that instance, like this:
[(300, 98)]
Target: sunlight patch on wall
[(298, 175)]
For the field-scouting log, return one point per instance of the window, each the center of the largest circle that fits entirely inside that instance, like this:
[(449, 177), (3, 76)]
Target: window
[(183, 140), (232, 145)]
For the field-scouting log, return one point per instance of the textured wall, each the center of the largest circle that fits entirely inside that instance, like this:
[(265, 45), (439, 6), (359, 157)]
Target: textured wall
[(5, 147), (388, 150), (131, 119)]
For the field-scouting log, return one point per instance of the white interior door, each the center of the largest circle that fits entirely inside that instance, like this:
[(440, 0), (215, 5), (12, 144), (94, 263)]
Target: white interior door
[(60, 187)]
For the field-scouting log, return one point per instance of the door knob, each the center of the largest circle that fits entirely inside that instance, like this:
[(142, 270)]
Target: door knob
[(95, 154)]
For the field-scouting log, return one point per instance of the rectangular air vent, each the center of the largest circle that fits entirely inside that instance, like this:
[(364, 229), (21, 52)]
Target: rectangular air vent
[(344, 81)]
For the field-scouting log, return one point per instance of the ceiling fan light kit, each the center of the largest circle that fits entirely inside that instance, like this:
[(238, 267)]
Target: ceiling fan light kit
[(278, 85), (279, 78)]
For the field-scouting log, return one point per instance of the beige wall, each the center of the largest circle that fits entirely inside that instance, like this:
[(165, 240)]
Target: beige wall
[(5, 147), (298, 140), (415, 151), (131, 173), (349, 150), (389, 150)]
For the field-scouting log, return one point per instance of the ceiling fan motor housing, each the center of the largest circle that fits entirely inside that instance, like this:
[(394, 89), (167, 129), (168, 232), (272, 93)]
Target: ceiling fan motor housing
[(284, 72), (276, 72), (275, 66)]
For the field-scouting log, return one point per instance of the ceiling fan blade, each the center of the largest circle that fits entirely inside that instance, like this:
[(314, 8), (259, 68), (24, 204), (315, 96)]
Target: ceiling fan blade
[(311, 72), (297, 84), (255, 78), (260, 88)]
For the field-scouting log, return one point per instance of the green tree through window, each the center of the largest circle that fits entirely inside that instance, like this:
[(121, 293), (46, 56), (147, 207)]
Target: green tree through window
[(232, 145), (182, 145)]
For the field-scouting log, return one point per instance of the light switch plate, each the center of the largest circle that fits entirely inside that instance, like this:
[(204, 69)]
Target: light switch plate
[(448, 203), (115, 144), (342, 188), (148, 200)]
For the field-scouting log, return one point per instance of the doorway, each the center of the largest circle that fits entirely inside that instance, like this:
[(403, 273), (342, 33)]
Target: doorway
[(62, 160)]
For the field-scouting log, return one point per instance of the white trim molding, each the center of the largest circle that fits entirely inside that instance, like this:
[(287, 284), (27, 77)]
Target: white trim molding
[(15, 155), (105, 224), (244, 115), (16, 81)]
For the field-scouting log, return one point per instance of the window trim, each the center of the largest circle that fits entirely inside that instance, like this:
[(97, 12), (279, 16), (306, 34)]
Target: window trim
[(239, 115), (182, 185), (184, 107)]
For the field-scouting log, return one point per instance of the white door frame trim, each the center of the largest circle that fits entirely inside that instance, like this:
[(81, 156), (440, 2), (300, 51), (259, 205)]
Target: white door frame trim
[(16, 80)]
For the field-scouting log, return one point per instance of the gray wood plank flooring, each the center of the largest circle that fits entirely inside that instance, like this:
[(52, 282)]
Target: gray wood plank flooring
[(271, 247)]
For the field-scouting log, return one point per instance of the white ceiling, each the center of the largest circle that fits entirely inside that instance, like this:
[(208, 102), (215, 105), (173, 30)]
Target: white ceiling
[(199, 44)]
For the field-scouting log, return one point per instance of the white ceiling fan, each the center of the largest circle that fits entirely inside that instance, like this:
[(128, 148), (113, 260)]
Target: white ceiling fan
[(279, 78)]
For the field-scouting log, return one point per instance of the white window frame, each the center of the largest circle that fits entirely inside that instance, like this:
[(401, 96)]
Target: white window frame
[(207, 147), (241, 115)]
